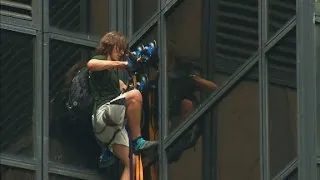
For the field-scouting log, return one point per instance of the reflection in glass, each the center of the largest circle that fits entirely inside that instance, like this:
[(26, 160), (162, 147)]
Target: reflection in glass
[(238, 128), (88, 17), (71, 139), (16, 100), (282, 89), (11, 173), (183, 42), (279, 13), (142, 12)]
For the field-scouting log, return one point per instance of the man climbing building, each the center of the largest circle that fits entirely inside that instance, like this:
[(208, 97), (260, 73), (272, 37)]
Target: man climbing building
[(112, 107)]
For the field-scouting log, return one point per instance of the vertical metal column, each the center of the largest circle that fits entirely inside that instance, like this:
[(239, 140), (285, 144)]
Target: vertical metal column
[(45, 74), (209, 142), (263, 88), (307, 72), (163, 99), (38, 87)]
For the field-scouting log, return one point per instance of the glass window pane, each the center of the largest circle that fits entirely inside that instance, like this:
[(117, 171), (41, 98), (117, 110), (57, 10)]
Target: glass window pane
[(16, 90), (186, 165), (282, 75), (238, 129), (142, 12), (11, 173), (279, 13), (71, 138), (183, 59), (85, 16)]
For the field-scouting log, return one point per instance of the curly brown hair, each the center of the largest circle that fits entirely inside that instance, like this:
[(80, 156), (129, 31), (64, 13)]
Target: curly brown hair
[(111, 40)]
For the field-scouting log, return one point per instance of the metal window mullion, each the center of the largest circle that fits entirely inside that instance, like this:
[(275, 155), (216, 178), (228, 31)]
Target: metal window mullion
[(73, 172), (287, 171), (163, 95), (307, 76), (45, 110), (263, 88), (45, 87), (17, 22), (19, 29), (38, 92), (17, 162), (209, 149)]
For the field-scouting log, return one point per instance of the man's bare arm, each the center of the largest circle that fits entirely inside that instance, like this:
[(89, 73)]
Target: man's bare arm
[(203, 83), (100, 65)]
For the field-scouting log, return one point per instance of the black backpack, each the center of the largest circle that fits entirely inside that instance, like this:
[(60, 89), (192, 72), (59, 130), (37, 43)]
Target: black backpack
[(80, 99)]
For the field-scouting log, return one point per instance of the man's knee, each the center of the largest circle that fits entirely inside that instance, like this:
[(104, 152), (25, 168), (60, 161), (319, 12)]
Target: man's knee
[(133, 95)]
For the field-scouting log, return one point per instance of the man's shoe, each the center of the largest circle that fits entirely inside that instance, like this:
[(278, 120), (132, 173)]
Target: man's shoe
[(149, 152), (106, 159)]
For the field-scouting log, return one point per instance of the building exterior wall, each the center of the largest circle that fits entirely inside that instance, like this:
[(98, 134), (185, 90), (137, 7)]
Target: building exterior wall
[(259, 124)]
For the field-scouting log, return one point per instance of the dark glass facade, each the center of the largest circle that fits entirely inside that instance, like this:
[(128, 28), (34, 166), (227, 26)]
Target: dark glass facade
[(261, 122)]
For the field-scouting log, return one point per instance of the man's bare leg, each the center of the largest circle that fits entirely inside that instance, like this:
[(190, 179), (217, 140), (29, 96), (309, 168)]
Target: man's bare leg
[(134, 111), (148, 149), (122, 152)]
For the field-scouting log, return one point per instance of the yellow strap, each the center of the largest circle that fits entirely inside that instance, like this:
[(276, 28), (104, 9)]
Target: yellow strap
[(138, 168)]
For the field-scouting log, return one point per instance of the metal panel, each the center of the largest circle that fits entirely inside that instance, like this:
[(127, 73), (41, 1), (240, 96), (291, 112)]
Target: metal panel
[(307, 74), (263, 87), (73, 172), (24, 163), (17, 22), (73, 37), (19, 29)]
